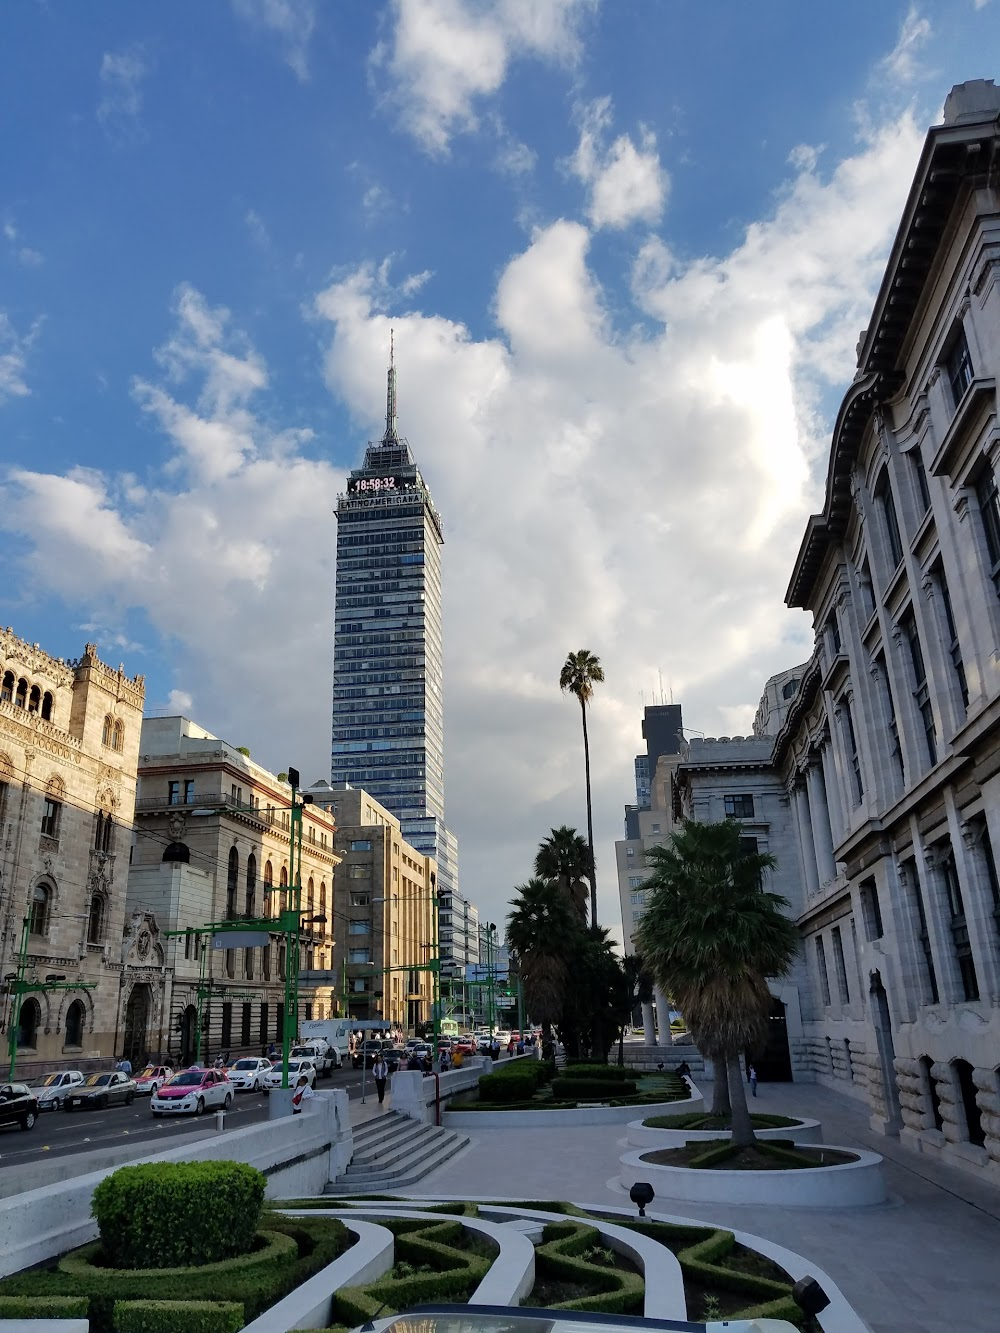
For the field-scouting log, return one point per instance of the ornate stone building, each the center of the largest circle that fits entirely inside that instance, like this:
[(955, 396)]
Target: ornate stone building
[(69, 743)]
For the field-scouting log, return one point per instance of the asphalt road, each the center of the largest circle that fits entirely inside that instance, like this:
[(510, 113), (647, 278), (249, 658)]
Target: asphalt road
[(63, 1133)]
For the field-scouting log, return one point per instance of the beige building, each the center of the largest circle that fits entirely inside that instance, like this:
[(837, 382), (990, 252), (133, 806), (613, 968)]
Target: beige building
[(384, 892), (69, 742), (211, 844)]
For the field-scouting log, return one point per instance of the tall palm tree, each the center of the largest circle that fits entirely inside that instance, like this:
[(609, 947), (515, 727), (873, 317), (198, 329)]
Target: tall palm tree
[(543, 931), (565, 857), (712, 935), (580, 673)]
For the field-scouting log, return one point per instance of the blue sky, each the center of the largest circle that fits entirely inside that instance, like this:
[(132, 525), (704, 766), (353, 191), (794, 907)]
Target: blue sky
[(626, 248)]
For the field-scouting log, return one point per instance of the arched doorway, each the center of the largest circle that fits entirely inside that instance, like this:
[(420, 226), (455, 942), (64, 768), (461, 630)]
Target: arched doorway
[(136, 1043), (774, 1063), (75, 1017), (29, 1021), (886, 1052), (189, 1032)]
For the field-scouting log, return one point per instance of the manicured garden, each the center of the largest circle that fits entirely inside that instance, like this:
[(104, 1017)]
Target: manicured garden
[(535, 1085)]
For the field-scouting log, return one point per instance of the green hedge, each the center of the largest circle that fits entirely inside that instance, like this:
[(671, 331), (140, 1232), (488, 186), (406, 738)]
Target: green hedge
[(560, 1255), (167, 1214), (294, 1249), (43, 1307), (178, 1316), (591, 1089), (505, 1088)]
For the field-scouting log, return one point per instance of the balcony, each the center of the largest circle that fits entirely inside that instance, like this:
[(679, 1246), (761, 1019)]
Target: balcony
[(214, 802)]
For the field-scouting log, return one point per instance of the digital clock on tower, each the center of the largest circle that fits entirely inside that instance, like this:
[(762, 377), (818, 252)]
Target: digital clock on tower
[(374, 485)]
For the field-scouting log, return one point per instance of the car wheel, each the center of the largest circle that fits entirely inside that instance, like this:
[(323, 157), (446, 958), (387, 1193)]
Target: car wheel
[(228, 1102), (157, 1115), (104, 1104), (129, 1098), (256, 1085), (28, 1120), (200, 1108), (57, 1103), (153, 1089)]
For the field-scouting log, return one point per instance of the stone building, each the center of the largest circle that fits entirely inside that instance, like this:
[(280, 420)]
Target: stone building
[(383, 902), (69, 742), (211, 844)]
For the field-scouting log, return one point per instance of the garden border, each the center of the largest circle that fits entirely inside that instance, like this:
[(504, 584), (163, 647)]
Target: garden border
[(643, 1137), (569, 1116)]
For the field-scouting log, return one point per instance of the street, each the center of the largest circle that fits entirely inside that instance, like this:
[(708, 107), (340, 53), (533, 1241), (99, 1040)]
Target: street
[(62, 1133)]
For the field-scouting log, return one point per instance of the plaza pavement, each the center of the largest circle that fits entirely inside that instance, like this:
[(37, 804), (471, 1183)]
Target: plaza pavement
[(928, 1261)]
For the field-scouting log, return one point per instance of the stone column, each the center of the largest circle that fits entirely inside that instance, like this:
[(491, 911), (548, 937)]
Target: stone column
[(820, 815), (648, 1025), (806, 840), (663, 1018)]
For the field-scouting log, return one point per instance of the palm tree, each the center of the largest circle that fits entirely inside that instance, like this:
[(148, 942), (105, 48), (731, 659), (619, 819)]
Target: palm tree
[(712, 935), (543, 931), (580, 673), (565, 857)]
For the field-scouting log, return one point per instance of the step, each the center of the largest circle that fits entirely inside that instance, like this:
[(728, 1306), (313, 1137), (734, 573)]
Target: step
[(443, 1152), (401, 1161), (387, 1152)]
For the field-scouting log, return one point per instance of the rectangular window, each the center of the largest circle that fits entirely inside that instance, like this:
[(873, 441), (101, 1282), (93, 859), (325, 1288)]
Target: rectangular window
[(173, 793), (890, 520), (889, 706), (359, 956), (359, 985), (637, 899), (871, 911), (279, 1022), (841, 966), (833, 634), (262, 1029), (920, 478), (867, 590), (358, 928), (921, 692), (361, 845), (630, 851), (958, 367), (188, 791), (954, 648), (227, 1025), (959, 929), (634, 881), (739, 807), (824, 976), (988, 499), (359, 872), (851, 744), (360, 898), (50, 818)]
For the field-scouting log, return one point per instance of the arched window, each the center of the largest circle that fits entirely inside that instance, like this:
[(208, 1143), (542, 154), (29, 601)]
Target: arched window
[(75, 1018), (283, 879), (281, 961), (268, 874), (108, 735), (29, 1021), (7, 688), (99, 831), (231, 883), (46, 707), (21, 694), (35, 700), (118, 743), (265, 962), (108, 837), (322, 904), (251, 886), (95, 921), (283, 895), (41, 901), (177, 851), (311, 898)]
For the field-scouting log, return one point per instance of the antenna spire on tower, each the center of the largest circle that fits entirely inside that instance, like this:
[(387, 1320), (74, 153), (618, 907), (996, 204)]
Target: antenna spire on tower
[(390, 436)]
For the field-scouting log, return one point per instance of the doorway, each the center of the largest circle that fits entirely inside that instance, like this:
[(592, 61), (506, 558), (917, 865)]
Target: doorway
[(189, 1031), (136, 1043), (774, 1063)]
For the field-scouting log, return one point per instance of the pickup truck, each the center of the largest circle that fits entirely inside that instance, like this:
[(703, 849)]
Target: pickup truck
[(324, 1057)]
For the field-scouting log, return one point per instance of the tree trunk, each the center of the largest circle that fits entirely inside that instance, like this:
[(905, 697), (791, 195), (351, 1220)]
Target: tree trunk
[(720, 1088), (590, 819), (621, 1047), (742, 1128)]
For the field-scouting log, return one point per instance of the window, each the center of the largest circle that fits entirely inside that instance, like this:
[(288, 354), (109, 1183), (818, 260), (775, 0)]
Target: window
[(789, 688), (748, 846), (245, 1025), (108, 734), (890, 522), (262, 1029), (359, 872), (118, 741), (867, 590), (833, 634), (75, 1016), (189, 791), (173, 793), (986, 849), (359, 899), (951, 637), (227, 1024), (921, 692), (959, 928), (988, 499), (232, 883), (50, 818), (638, 899), (40, 907), (251, 902), (871, 911), (7, 688), (824, 976), (923, 934), (634, 881), (29, 1021), (739, 807), (358, 928), (851, 744), (926, 1064), (47, 707), (958, 366), (885, 689), (95, 920), (920, 478), (359, 985), (359, 955), (840, 965), (361, 845), (630, 851)]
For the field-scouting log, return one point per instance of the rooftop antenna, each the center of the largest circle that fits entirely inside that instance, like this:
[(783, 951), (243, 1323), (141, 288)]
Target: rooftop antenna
[(390, 436)]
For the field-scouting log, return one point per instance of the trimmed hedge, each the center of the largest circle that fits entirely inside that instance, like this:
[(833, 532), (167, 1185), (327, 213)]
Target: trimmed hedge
[(178, 1316), (168, 1214), (560, 1256), (43, 1307), (505, 1088), (591, 1089)]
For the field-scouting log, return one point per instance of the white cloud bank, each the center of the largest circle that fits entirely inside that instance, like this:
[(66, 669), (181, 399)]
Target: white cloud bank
[(641, 494)]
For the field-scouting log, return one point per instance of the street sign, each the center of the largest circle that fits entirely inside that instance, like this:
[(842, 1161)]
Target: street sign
[(241, 939)]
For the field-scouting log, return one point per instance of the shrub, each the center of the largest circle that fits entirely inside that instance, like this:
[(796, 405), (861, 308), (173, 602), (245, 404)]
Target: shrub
[(178, 1316), (562, 1254), (43, 1307), (167, 1214), (506, 1087), (591, 1089)]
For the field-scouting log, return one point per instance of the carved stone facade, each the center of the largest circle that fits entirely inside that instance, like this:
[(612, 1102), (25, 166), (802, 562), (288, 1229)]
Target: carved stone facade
[(69, 743)]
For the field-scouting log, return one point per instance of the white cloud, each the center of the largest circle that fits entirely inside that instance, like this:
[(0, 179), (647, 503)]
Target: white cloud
[(14, 349), (446, 57), (641, 493), (292, 21), (179, 701), (257, 229), (121, 78), (626, 183), (902, 64), (24, 254)]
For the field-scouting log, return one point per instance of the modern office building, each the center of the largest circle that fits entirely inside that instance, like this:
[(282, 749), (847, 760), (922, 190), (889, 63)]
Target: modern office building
[(459, 934), (388, 692)]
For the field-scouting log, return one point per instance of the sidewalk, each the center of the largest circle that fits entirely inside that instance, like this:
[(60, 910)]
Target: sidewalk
[(926, 1262)]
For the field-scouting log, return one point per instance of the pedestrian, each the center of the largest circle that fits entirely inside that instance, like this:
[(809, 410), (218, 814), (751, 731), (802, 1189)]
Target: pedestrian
[(683, 1069), (520, 1046), (445, 1059), (272, 1051), (301, 1093), (380, 1073), (510, 1048), (752, 1075), (125, 1065), (495, 1049), (404, 1063)]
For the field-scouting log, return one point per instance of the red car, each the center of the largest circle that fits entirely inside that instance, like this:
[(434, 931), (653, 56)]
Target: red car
[(467, 1045)]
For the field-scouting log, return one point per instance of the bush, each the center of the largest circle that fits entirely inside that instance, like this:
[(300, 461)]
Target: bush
[(591, 1089), (560, 1255), (506, 1087), (168, 1214), (178, 1316), (43, 1307)]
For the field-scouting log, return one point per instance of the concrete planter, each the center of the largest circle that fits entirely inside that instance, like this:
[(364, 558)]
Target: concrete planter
[(849, 1185), (641, 1136), (579, 1115)]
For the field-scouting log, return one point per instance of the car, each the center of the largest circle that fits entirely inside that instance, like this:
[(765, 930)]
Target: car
[(192, 1092), (248, 1073), (392, 1057), (151, 1078), (101, 1091), (467, 1045), (18, 1105), (366, 1053), (296, 1068), (50, 1091), (415, 1041), (326, 1058)]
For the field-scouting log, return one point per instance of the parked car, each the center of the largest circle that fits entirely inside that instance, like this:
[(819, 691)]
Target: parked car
[(50, 1092), (151, 1078), (192, 1092), (296, 1068), (18, 1105), (101, 1091), (248, 1073)]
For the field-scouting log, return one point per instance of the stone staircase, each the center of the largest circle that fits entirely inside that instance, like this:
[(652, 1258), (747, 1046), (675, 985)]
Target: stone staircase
[(392, 1152)]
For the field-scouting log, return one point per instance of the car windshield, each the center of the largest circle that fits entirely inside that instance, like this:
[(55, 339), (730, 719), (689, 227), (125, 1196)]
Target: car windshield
[(189, 1080), (98, 1080), (148, 1072), (245, 1064), (50, 1081), (293, 1066)]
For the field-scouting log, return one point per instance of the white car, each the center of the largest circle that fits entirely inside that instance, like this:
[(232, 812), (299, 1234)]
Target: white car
[(193, 1092), (296, 1068), (248, 1074), (51, 1092)]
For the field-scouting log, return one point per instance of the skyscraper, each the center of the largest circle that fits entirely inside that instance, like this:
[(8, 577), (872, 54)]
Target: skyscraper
[(388, 707)]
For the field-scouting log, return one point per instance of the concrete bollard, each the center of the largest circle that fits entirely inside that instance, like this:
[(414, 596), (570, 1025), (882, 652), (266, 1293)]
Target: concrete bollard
[(279, 1103), (220, 1121)]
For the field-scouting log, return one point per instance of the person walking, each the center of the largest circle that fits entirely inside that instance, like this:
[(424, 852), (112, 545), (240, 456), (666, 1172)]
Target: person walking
[(752, 1075), (301, 1093), (125, 1065), (380, 1073)]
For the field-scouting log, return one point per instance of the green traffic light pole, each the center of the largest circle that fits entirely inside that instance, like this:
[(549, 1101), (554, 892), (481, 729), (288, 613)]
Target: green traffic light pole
[(20, 987)]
